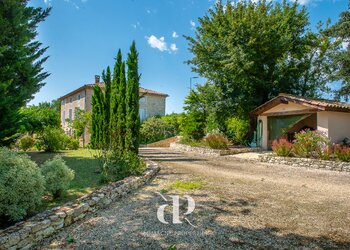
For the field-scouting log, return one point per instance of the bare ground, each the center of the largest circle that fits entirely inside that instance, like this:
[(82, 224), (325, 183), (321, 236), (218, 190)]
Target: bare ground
[(242, 204)]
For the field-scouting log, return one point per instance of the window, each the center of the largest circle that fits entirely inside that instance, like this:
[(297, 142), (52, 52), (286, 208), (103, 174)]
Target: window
[(71, 99), (70, 114), (63, 102), (64, 117), (143, 99), (142, 113), (78, 96)]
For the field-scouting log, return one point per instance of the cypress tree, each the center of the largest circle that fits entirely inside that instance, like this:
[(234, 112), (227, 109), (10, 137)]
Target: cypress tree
[(132, 102), (106, 76), (114, 101), (98, 119), (121, 114)]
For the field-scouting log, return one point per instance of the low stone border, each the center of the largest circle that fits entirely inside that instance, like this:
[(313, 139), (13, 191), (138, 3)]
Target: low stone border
[(208, 151), (26, 234), (306, 162)]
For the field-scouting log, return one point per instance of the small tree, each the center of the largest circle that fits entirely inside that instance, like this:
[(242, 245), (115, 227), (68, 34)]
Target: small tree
[(80, 124)]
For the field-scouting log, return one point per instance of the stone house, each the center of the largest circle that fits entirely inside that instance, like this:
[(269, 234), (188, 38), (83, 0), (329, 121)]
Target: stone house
[(152, 103), (286, 114)]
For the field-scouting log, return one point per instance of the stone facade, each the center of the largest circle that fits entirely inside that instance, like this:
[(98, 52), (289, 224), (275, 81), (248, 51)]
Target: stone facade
[(25, 234), (209, 151), (306, 162), (152, 103)]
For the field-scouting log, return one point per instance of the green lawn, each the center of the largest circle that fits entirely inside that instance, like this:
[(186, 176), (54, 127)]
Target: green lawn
[(87, 174)]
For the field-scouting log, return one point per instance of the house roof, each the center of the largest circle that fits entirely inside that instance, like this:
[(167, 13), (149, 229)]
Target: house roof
[(317, 104), (102, 85)]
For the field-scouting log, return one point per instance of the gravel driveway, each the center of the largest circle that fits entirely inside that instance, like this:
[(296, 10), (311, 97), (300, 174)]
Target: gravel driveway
[(239, 204)]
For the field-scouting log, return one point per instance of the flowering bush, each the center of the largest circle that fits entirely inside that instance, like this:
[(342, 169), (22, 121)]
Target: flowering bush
[(309, 143), (282, 147), (342, 153)]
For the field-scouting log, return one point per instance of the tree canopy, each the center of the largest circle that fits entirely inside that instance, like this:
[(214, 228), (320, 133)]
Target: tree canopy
[(253, 51), (341, 32), (21, 60)]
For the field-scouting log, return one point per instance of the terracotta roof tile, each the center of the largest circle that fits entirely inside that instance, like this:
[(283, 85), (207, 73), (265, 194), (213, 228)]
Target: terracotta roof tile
[(101, 84)]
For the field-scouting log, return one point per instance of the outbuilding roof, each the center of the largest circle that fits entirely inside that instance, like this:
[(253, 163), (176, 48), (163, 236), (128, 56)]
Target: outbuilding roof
[(102, 85), (317, 104)]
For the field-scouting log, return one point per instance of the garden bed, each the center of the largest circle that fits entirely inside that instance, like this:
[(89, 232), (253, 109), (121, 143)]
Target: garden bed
[(306, 162), (27, 233), (209, 151)]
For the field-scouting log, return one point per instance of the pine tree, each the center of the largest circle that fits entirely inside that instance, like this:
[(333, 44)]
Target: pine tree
[(21, 61), (114, 101), (121, 111), (132, 102)]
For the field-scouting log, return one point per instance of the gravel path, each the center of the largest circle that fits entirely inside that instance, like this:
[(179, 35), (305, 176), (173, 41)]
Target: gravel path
[(239, 204)]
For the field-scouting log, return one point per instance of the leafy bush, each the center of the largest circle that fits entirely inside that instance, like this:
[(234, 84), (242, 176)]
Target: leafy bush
[(21, 185), (237, 129), (342, 153), (192, 125), (156, 129), (119, 167), (309, 143), (70, 143), (57, 175), (26, 142), (217, 141), (282, 147), (51, 139)]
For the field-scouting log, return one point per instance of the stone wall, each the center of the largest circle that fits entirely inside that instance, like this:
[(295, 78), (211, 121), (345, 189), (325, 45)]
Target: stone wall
[(153, 105), (306, 162), (209, 151), (27, 233)]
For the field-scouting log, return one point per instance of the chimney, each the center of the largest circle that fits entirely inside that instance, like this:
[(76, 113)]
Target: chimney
[(97, 78)]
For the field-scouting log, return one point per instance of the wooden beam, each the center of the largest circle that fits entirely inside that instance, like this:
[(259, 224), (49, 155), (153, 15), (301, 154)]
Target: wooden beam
[(292, 112)]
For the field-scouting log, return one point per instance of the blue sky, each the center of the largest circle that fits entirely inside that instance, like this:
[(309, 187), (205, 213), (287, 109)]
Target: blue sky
[(84, 36)]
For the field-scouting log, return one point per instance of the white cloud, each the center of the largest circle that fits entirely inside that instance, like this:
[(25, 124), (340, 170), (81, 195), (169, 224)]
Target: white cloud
[(345, 45), (156, 43), (175, 35), (173, 47), (193, 24), (160, 44)]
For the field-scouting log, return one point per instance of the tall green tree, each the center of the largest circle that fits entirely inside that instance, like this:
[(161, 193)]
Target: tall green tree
[(21, 60), (97, 138), (341, 32), (107, 78), (253, 51), (114, 100), (132, 124), (121, 112)]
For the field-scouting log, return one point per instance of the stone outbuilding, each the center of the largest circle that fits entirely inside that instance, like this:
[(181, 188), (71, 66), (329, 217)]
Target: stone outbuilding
[(286, 114)]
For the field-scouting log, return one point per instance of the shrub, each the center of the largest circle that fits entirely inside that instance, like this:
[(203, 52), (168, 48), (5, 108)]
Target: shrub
[(119, 167), (21, 185), (282, 147), (309, 143), (51, 139), (192, 125), (342, 153), (237, 129), (26, 142), (216, 141), (70, 143), (156, 129), (57, 175)]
